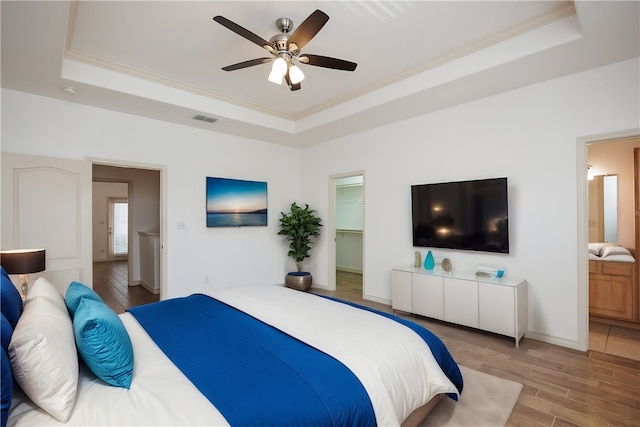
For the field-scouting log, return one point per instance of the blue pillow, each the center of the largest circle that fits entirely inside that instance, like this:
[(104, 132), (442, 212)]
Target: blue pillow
[(11, 305), (5, 331), (75, 292), (103, 342), (6, 380)]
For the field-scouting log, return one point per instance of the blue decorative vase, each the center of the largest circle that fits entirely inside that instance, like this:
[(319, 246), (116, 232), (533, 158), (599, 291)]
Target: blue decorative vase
[(429, 263)]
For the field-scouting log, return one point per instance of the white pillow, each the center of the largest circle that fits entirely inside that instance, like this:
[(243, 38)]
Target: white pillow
[(43, 288), (619, 258), (595, 248), (614, 250), (43, 355)]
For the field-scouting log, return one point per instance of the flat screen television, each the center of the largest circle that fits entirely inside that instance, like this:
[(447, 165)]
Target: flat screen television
[(469, 215)]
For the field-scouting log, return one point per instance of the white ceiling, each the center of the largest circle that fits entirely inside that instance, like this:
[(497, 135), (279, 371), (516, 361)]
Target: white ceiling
[(163, 59)]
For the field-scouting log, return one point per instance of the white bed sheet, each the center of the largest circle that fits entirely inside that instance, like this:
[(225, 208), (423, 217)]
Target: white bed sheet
[(393, 363), (160, 395)]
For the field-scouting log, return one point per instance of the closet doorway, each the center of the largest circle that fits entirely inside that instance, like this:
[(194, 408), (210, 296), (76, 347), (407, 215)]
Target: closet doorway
[(349, 235)]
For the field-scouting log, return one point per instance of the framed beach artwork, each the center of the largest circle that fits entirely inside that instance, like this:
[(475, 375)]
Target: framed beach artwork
[(236, 203)]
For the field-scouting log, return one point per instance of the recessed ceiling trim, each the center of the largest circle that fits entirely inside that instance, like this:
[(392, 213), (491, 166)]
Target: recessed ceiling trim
[(529, 43), (566, 10), (157, 78), (440, 72), (101, 77), (136, 72)]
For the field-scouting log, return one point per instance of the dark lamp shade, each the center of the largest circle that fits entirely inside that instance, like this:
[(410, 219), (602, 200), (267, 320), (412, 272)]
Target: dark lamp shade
[(23, 261)]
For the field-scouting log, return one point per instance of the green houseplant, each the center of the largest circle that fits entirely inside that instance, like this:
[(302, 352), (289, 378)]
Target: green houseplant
[(299, 225)]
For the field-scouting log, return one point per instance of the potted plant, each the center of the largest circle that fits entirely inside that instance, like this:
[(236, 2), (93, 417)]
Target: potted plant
[(299, 225)]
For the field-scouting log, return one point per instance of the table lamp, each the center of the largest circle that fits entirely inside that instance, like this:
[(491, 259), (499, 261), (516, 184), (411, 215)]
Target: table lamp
[(23, 262)]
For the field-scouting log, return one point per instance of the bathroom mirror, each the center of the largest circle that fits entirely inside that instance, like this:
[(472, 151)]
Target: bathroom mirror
[(603, 209)]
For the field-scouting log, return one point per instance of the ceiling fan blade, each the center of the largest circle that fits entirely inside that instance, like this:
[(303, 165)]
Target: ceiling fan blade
[(308, 29), (327, 62), (291, 85), (243, 32), (245, 64)]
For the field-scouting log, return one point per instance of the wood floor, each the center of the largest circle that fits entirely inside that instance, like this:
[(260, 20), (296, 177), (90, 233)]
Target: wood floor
[(110, 282), (562, 387)]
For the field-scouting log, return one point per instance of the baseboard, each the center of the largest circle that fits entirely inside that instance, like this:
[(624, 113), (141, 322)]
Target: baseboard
[(147, 287), (377, 299), (110, 259), (550, 339), (349, 270)]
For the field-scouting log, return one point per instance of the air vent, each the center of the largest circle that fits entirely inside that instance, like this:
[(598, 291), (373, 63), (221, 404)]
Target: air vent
[(204, 118)]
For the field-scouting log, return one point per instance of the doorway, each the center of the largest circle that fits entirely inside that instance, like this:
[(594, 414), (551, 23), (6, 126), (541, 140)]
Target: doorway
[(349, 234), (126, 202), (612, 207)]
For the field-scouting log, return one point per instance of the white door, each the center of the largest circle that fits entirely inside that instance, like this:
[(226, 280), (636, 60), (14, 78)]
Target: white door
[(46, 203), (118, 228)]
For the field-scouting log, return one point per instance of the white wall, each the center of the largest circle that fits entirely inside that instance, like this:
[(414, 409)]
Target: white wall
[(195, 255), (530, 136)]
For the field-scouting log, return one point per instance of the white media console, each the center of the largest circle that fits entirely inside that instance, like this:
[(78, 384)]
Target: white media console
[(496, 305)]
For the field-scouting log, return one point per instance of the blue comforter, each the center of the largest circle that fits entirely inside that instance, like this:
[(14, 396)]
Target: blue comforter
[(253, 373), (257, 375)]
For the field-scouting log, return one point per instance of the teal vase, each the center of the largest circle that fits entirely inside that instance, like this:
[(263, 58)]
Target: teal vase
[(429, 263)]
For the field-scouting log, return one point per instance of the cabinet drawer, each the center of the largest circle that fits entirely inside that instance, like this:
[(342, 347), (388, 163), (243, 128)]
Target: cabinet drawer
[(617, 268), (611, 296)]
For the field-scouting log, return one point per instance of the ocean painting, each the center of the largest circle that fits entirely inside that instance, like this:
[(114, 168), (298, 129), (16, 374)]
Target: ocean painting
[(236, 203)]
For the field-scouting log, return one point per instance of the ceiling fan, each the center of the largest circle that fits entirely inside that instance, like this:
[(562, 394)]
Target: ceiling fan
[(285, 49)]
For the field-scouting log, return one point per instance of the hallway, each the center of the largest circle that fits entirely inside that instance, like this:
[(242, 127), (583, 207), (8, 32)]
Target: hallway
[(110, 282)]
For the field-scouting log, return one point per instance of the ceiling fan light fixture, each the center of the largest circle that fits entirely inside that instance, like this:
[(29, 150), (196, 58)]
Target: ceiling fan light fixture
[(278, 70), (295, 74), (274, 77), (279, 67)]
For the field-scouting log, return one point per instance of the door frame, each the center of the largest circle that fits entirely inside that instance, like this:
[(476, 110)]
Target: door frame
[(583, 226), (162, 169), (331, 228)]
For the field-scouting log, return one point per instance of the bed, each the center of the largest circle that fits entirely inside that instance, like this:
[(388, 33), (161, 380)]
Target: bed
[(613, 288), (243, 355)]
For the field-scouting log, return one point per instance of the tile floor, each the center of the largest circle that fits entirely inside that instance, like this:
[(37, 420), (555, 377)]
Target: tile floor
[(614, 340)]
